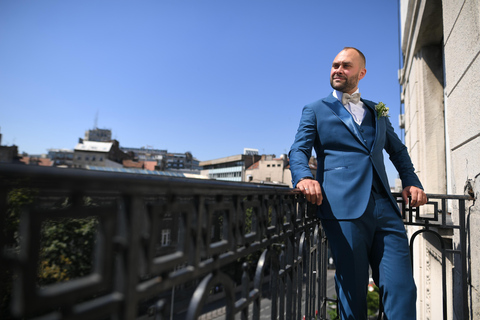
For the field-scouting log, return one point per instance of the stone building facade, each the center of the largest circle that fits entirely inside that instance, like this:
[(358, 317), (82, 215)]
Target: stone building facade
[(269, 169), (440, 81), (99, 154), (272, 170)]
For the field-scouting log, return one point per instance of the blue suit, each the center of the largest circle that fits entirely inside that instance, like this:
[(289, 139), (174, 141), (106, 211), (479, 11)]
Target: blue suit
[(359, 214)]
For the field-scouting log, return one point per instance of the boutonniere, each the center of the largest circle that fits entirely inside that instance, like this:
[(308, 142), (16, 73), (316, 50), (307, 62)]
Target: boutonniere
[(382, 110)]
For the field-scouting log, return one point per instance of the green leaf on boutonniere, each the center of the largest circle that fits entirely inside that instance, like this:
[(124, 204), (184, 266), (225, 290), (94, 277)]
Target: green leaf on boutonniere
[(382, 110)]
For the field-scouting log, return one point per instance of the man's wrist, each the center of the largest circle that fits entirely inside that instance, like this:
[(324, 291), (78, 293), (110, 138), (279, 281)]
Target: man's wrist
[(305, 178)]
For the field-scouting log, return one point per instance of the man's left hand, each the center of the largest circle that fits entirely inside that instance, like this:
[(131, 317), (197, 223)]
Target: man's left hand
[(418, 196)]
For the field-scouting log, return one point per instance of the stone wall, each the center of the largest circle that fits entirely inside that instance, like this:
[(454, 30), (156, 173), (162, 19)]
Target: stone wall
[(461, 21), (441, 93)]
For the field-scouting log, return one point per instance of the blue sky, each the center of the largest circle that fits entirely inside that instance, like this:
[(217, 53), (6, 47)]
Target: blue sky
[(206, 76)]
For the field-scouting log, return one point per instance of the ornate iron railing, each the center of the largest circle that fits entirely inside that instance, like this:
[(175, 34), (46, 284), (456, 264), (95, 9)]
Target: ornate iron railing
[(79, 244), (136, 263), (435, 220)]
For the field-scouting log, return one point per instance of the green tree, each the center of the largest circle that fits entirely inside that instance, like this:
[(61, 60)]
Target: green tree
[(67, 249), (17, 198)]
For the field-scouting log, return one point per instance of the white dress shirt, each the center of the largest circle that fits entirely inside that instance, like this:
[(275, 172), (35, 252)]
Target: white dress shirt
[(357, 110)]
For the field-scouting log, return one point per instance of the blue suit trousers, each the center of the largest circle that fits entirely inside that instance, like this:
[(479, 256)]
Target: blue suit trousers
[(376, 239)]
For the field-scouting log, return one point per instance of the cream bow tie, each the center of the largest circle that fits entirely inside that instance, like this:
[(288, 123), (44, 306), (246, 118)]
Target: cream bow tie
[(354, 98)]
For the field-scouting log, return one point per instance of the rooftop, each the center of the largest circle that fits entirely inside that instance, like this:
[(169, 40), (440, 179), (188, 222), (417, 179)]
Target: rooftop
[(94, 146)]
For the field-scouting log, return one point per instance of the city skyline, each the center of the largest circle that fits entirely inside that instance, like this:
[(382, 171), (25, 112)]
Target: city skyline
[(210, 78)]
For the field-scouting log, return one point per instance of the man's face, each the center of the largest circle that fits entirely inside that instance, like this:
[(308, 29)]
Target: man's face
[(347, 69)]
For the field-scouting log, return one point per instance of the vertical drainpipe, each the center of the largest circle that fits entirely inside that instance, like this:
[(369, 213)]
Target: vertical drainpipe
[(447, 137)]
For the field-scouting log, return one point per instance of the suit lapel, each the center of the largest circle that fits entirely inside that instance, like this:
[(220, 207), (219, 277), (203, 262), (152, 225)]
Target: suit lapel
[(342, 113), (379, 125)]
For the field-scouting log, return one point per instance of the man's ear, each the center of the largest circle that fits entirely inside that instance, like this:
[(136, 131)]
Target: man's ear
[(362, 74)]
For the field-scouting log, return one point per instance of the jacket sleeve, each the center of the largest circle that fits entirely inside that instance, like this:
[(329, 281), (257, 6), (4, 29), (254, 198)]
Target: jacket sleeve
[(400, 158), (301, 150)]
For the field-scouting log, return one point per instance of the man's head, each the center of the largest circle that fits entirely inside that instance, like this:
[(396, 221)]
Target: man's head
[(348, 68)]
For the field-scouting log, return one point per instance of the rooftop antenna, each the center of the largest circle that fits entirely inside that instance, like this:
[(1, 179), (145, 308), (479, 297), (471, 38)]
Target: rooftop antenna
[(95, 125)]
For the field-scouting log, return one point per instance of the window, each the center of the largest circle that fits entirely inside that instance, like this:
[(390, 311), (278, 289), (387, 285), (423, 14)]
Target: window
[(166, 237)]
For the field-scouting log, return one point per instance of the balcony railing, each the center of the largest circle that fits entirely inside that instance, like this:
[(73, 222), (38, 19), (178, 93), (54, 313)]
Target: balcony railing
[(79, 244)]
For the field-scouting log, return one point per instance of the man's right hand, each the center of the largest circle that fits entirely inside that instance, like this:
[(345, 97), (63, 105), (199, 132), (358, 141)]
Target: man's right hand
[(312, 190)]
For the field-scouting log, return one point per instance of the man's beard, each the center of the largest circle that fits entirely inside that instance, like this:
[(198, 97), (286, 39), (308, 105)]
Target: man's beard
[(347, 86)]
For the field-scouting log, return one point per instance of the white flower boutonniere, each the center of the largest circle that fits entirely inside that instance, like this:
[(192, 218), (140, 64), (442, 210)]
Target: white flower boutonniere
[(382, 110)]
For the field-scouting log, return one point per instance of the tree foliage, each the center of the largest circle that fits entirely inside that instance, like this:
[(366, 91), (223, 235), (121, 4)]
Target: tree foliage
[(67, 249), (17, 199), (66, 245)]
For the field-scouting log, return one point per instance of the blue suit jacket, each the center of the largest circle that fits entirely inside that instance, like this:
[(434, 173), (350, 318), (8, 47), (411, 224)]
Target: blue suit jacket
[(345, 164)]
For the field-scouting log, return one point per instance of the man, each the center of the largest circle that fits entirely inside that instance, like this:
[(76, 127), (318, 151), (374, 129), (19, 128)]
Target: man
[(359, 215)]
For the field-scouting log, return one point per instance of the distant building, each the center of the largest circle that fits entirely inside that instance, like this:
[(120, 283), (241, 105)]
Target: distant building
[(165, 161), (147, 165), (269, 169), (183, 162), (274, 170), (99, 154), (145, 154), (8, 154), (230, 168), (100, 135), (36, 161), (61, 157)]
